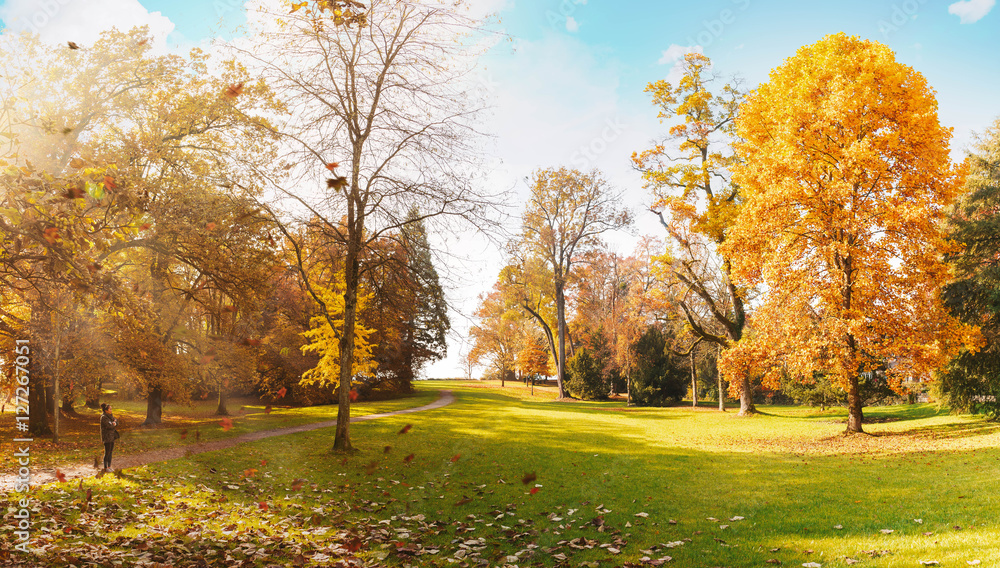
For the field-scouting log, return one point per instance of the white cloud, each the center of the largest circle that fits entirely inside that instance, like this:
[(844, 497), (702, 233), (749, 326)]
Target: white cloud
[(82, 21), (571, 25), (971, 11), (675, 53)]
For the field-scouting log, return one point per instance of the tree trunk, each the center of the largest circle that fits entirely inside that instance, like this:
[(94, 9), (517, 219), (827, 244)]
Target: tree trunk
[(503, 377), (222, 410), (342, 439), (854, 408), (746, 398), (561, 333), (722, 392), (38, 419), (694, 380), (154, 407)]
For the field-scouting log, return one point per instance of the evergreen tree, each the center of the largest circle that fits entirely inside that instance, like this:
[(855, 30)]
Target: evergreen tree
[(585, 379), (972, 381), (658, 377), (425, 335)]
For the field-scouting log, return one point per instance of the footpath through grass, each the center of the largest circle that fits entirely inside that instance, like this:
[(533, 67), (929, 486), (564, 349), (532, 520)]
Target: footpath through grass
[(495, 480), (183, 424)]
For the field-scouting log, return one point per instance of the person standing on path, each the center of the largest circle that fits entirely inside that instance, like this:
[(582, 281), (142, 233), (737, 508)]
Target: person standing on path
[(109, 433)]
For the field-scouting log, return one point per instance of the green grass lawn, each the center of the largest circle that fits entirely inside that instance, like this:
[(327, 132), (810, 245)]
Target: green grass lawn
[(183, 424), (520, 480)]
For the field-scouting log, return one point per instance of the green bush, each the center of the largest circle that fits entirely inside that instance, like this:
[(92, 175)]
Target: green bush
[(584, 377), (659, 377)]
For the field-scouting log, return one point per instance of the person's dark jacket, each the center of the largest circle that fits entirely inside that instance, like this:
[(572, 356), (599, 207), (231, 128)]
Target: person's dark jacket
[(108, 428)]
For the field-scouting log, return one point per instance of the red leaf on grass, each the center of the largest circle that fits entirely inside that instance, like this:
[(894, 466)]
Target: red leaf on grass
[(353, 545), (262, 506), (533, 490), (263, 463), (409, 458), (406, 428), (455, 458)]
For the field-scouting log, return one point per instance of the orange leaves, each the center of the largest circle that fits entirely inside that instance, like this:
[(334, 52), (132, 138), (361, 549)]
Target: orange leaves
[(60, 476), (226, 424), (841, 222), (51, 235), (353, 395), (456, 457), (281, 392), (233, 91)]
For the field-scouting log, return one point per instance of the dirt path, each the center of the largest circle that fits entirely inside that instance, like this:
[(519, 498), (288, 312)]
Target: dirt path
[(77, 470)]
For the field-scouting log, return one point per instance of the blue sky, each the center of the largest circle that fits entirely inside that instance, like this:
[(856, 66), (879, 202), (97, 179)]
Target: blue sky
[(568, 88)]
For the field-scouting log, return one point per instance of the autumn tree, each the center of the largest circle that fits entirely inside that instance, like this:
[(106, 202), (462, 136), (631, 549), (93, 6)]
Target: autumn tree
[(845, 173), (565, 216), (383, 122), (498, 337), (688, 174), (970, 382)]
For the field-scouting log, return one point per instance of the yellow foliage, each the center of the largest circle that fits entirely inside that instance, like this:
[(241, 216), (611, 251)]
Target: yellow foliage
[(846, 175), (325, 339)]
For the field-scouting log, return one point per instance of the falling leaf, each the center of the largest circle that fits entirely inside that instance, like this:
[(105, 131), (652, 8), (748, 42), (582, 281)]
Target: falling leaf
[(455, 458), (234, 91), (73, 192), (528, 478), (295, 7), (60, 476), (210, 226), (109, 182), (332, 166), (281, 392), (405, 429), (337, 183), (72, 45), (353, 395), (226, 424)]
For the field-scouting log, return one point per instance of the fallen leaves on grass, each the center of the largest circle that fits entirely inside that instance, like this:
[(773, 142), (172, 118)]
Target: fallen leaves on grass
[(406, 429)]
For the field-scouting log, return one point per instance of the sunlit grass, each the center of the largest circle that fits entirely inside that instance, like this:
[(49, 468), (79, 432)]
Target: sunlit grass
[(183, 424), (790, 474)]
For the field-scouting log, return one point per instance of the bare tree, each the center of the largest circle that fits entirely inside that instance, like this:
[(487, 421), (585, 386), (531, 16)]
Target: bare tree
[(381, 94)]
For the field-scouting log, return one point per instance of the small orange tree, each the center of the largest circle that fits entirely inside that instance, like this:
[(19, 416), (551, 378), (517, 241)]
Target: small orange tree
[(846, 175)]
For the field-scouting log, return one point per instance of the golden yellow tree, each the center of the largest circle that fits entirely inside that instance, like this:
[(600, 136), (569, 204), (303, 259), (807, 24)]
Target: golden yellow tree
[(846, 174), (324, 339)]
